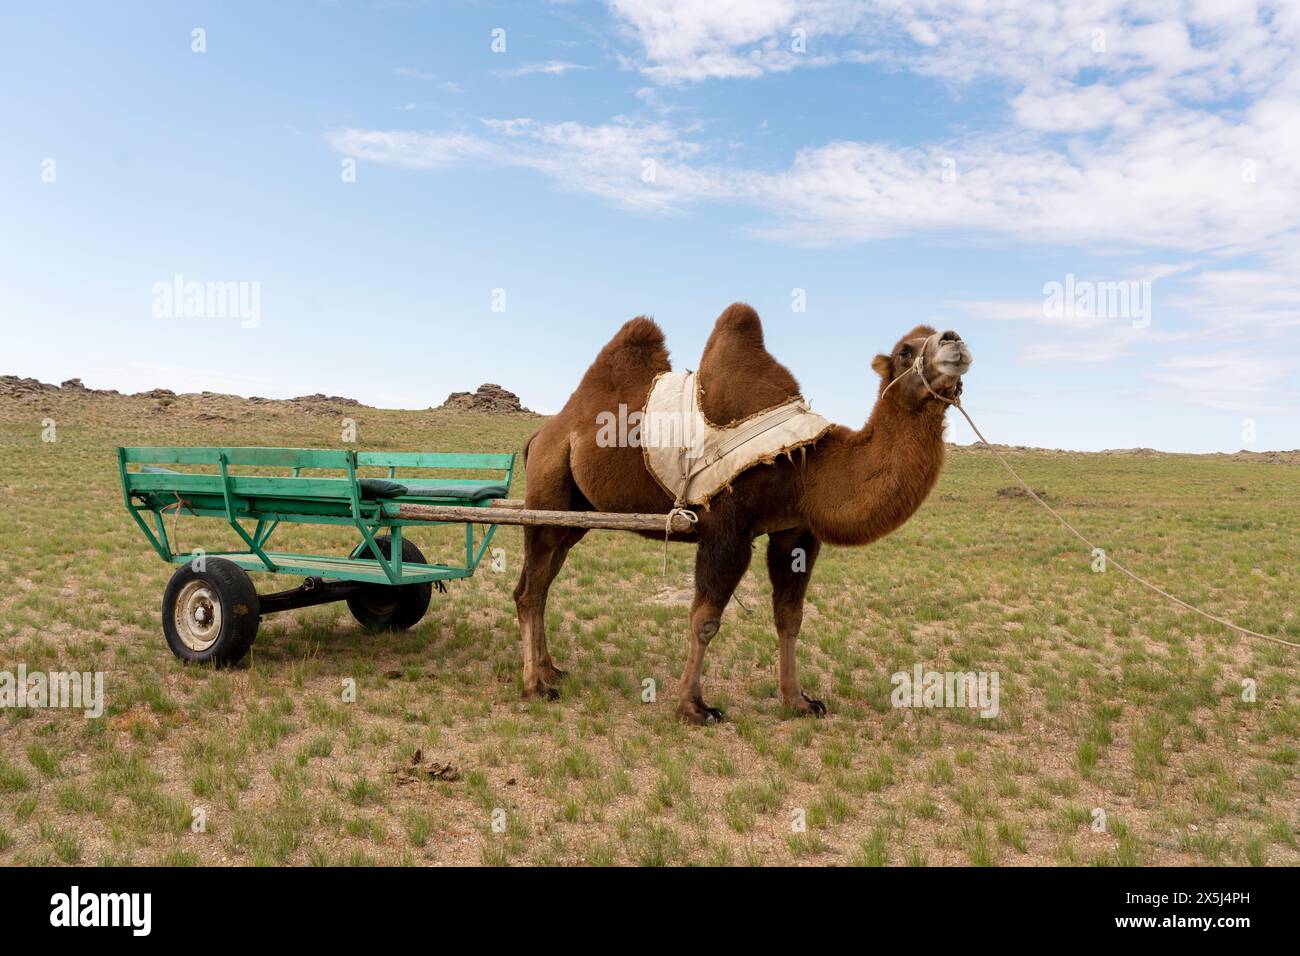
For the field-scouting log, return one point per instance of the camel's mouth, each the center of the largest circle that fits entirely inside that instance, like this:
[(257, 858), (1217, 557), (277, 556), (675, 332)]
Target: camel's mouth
[(951, 358)]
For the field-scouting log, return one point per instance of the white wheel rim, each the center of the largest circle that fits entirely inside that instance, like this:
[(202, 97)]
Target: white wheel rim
[(198, 616)]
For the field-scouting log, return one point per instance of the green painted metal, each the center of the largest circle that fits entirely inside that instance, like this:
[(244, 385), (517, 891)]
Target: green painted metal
[(406, 459), (348, 569), (254, 456), (163, 551), (487, 539), (392, 565), (253, 546), (214, 490), (277, 486)]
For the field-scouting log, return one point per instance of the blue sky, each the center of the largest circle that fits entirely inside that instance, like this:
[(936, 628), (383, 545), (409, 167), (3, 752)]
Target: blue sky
[(898, 162)]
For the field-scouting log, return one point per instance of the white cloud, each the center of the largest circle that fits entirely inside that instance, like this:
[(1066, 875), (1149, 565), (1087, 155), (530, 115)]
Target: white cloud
[(447, 86), (549, 68), (1178, 185), (1158, 167), (1247, 382), (1071, 109), (634, 166), (1102, 344), (922, 33), (1245, 302), (687, 40), (1236, 45), (1170, 126), (409, 150)]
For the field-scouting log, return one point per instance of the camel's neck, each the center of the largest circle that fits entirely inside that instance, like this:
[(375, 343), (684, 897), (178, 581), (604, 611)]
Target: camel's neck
[(861, 485)]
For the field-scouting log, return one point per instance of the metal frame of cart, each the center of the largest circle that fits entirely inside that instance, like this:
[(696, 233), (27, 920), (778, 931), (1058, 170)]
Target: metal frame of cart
[(211, 610), (384, 579)]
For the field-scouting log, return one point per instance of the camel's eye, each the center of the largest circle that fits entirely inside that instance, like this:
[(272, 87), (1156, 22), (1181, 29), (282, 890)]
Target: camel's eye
[(906, 353)]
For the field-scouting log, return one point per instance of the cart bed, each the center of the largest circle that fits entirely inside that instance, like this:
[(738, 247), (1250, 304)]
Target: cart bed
[(210, 487)]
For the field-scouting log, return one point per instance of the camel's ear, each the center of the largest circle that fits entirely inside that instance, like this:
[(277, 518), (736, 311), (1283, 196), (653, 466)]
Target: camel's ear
[(881, 364)]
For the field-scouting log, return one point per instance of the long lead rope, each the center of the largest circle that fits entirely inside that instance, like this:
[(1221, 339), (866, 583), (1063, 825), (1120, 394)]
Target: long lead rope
[(917, 366), (181, 503)]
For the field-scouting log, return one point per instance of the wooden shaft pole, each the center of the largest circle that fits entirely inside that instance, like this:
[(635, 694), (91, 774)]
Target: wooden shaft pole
[(564, 519)]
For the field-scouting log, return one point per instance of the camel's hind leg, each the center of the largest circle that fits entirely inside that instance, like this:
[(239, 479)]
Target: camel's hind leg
[(551, 673), (544, 552), (790, 559)]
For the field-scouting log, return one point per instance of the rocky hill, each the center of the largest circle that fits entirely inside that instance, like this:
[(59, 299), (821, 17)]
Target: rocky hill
[(27, 391), (488, 398)]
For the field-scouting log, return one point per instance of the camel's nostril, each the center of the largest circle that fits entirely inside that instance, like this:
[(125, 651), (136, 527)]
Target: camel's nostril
[(950, 336)]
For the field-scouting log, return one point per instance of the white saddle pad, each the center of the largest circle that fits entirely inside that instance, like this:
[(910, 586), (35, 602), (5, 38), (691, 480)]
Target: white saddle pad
[(693, 460)]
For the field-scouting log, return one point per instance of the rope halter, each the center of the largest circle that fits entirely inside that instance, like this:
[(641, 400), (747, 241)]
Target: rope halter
[(918, 366), (677, 510)]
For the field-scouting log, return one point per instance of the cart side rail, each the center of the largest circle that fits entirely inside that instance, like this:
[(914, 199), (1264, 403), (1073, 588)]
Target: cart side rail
[(318, 458), (457, 460), (253, 456)]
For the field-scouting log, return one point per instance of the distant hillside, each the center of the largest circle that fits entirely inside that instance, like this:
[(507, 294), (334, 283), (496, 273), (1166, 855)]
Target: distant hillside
[(19, 393), (488, 398)]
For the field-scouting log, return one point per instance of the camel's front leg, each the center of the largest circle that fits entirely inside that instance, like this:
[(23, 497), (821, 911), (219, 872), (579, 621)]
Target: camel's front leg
[(790, 559), (720, 563)]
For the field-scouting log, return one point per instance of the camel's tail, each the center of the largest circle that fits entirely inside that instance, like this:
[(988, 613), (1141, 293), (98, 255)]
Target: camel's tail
[(526, 444)]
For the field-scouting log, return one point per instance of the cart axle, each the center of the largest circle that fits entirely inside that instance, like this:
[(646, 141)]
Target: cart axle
[(311, 592)]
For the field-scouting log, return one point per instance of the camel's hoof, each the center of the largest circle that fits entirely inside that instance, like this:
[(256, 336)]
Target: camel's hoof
[(698, 713), (540, 691), (805, 706)]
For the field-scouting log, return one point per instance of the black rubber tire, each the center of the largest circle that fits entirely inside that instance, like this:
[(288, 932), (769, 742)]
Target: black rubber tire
[(388, 607), (227, 585)]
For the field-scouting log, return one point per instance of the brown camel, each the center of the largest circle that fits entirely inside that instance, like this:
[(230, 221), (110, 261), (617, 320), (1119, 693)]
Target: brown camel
[(850, 488)]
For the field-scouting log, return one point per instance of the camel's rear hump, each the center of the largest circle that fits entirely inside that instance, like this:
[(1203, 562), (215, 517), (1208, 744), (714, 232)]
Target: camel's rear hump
[(633, 357)]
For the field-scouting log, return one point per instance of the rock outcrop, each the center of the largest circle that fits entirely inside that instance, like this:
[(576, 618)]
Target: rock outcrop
[(15, 386), (488, 398)]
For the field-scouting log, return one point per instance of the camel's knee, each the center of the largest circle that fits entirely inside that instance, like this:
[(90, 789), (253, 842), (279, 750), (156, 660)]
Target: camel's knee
[(706, 630), (788, 621), (526, 597), (534, 580)]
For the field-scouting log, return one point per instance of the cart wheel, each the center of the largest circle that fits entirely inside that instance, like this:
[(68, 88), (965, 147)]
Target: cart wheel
[(210, 616), (392, 607)]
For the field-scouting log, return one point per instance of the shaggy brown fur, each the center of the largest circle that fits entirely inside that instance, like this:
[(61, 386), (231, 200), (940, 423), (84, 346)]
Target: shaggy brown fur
[(851, 488), (737, 374)]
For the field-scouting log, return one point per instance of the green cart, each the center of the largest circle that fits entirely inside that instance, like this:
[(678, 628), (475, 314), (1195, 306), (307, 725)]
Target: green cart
[(211, 610)]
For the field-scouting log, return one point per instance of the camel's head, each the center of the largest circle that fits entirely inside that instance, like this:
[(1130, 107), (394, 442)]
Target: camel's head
[(944, 360)]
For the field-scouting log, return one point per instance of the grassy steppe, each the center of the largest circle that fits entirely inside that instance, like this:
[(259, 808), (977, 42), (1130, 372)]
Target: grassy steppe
[(1110, 699)]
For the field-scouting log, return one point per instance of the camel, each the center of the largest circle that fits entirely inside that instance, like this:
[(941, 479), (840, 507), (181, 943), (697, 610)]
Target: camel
[(850, 488)]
